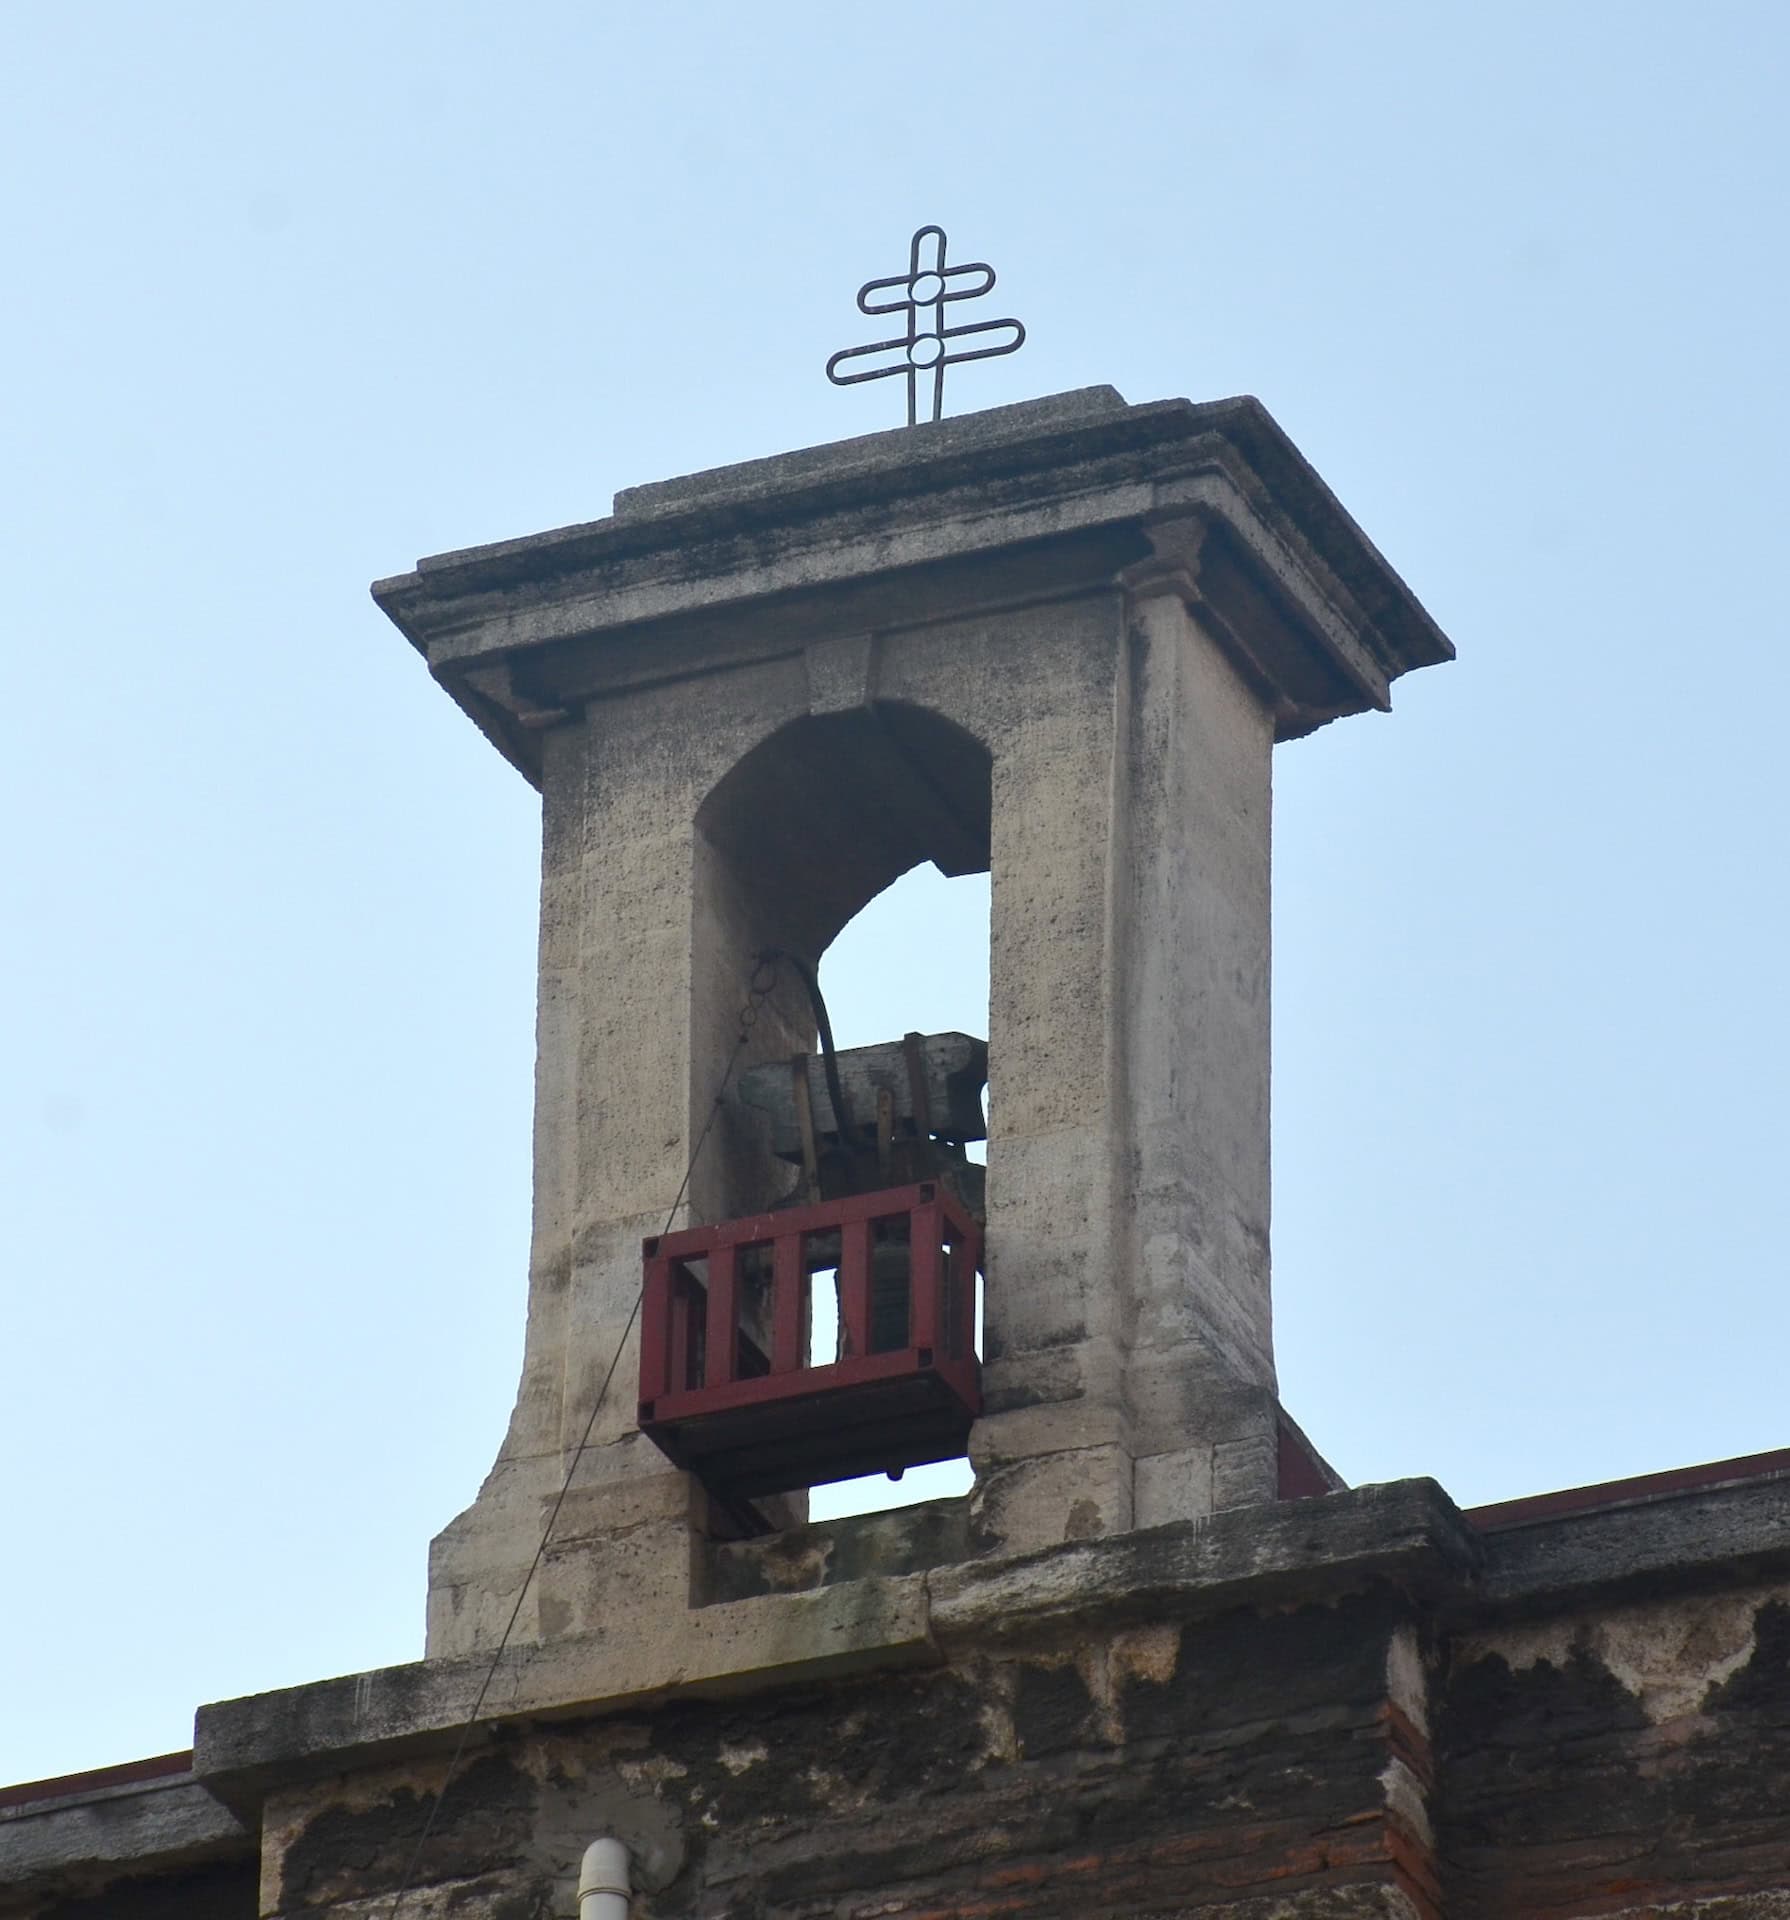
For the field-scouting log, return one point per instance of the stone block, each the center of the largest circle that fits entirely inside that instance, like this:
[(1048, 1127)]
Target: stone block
[(642, 1487), (1179, 1393), (1053, 1259), (1171, 1487), (1044, 1376), (244, 1748), (1246, 1471), (466, 1617), (121, 1824), (1030, 1433), (1406, 1531), (1052, 1499), (596, 1583), (841, 673)]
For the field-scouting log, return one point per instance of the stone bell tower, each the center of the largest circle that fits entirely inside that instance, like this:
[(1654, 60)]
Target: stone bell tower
[(1139, 1671), (1056, 641)]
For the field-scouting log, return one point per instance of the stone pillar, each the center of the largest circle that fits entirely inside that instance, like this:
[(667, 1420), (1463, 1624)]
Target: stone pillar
[(1195, 1051), (632, 1042)]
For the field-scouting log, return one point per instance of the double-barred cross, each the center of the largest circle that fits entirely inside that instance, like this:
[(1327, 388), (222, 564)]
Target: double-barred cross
[(923, 293)]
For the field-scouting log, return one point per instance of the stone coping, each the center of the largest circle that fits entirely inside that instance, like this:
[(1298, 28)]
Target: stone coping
[(1537, 1509), (126, 1775), (1061, 431), (889, 450), (1722, 1525), (1408, 1532), (75, 1835), (998, 508)]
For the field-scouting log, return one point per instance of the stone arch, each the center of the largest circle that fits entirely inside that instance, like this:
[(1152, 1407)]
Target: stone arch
[(824, 813), (804, 830)]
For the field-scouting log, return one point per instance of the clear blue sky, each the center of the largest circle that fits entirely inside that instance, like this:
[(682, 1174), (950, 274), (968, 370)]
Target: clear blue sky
[(297, 294)]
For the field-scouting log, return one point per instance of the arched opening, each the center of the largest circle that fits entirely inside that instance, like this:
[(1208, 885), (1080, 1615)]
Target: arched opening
[(792, 843), (819, 1317)]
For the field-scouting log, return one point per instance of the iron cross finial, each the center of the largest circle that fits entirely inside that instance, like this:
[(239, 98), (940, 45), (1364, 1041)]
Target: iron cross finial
[(921, 293)]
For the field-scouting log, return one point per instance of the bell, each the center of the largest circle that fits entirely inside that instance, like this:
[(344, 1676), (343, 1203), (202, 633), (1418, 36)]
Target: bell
[(891, 1289)]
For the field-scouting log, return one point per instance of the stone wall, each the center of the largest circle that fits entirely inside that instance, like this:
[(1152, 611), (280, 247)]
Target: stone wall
[(1616, 1761), (1588, 1715), (1363, 1704), (1150, 1769), (226, 1892)]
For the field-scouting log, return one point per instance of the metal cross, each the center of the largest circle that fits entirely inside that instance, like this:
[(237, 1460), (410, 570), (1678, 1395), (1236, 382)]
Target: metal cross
[(921, 293)]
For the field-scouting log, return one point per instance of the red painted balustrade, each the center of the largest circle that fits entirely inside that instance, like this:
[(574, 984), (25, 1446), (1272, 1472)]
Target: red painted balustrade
[(730, 1386)]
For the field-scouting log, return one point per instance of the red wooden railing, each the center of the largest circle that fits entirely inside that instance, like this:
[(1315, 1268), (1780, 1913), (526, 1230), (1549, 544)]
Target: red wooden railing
[(725, 1320)]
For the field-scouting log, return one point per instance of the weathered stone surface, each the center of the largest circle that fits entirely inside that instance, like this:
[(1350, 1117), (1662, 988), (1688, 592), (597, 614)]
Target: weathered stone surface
[(147, 1844), (228, 1890), (1083, 1493), (890, 453), (1299, 585), (1408, 1533), (1724, 1533), (1163, 1772), (912, 1539), (243, 1747), (1635, 1751), (1329, 1707)]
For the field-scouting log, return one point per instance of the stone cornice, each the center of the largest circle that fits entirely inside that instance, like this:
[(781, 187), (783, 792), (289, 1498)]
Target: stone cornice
[(1021, 504)]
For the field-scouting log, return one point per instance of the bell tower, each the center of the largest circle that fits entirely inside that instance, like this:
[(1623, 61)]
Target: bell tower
[(1056, 641)]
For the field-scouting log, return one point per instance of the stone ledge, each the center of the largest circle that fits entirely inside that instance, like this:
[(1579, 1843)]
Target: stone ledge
[(1727, 1534), (77, 1843), (1408, 1532), (243, 1748), (973, 449), (867, 453)]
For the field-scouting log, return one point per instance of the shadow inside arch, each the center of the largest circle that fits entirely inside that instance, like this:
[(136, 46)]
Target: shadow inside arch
[(820, 817)]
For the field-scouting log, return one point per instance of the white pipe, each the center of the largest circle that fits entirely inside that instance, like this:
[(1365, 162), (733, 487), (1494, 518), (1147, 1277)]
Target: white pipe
[(604, 1883)]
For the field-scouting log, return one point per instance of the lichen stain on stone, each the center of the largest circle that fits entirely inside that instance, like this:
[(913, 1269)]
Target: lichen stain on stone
[(1406, 1801), (1407, 1680), (1146, 1653), (835, 1791), (1084, 1521), (821, 1751), (599, 1779), (1052, 1705), (651, 1774), (794, 1561), (343, 1846), (1669, 1655), (1761, 1689)]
